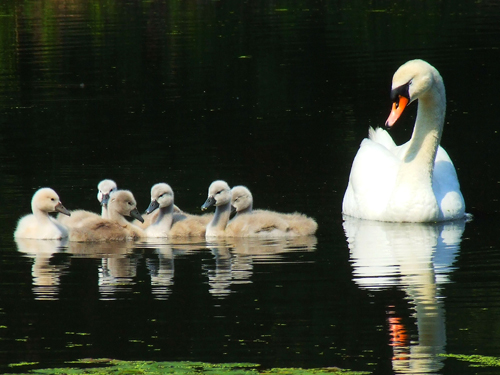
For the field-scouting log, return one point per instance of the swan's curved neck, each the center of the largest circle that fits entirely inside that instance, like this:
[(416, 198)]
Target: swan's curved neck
[(115, 216), (246, 210), (40, 215), (428, 130), (46, 220), (166, 216), (221, 218)]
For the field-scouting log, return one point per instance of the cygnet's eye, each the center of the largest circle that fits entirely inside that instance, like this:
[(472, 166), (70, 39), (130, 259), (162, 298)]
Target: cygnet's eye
[(53, 199)]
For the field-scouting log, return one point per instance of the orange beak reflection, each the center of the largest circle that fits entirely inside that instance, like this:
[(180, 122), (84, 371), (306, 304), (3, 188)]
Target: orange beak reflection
[(397, 109)]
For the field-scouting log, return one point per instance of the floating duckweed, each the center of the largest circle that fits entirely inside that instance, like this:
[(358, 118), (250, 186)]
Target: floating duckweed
[(111, 366), (23, 364), (476, 359)]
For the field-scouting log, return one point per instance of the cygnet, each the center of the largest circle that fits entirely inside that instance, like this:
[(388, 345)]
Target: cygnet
[(40, 225), (170, 223), (116, 228), (299, 224), (256, 225)]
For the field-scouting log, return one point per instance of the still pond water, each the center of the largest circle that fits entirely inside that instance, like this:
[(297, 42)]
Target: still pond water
[(276, 96)]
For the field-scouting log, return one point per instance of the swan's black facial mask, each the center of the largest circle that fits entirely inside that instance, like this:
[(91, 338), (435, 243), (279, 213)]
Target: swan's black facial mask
[(403, 90), (400, 97)]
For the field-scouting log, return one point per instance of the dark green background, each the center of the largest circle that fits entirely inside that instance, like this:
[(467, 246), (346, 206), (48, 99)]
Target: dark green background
[(273, 95)]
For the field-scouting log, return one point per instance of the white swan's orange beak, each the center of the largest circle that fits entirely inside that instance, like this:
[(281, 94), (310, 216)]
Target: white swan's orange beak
[(397, 108)]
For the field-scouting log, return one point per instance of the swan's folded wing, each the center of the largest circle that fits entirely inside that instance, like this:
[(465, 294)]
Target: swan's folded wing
[(371, 182), (446, 187)]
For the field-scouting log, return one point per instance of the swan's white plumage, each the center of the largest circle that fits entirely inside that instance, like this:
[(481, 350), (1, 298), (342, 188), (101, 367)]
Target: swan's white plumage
[(39, 225), (414, 182)]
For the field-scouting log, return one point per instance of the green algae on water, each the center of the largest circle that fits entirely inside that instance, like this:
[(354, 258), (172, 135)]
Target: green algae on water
[(117, 367), (476, 360)]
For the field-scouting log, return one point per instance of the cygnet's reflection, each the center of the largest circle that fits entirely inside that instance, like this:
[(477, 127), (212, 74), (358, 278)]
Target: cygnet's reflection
[(234, 258), (118, 265), (46, 276), (118, 262), (162, 266), (416, 258)]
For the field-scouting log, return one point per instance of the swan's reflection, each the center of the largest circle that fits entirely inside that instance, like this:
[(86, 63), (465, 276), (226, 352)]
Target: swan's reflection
[(162, 266), (234, 258), (118, 267), (161, 269), (46, 276), (118, 262), (416, 258)]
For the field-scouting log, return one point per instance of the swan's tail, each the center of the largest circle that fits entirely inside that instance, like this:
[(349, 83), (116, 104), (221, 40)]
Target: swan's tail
[(382, 137)]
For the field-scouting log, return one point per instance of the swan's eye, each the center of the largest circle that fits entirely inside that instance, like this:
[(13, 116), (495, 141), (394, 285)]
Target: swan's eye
[(401, 91)]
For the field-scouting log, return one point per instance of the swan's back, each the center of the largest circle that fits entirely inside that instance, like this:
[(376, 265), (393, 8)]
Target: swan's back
[(103, 230), (297, 224), (258, 224), (300, 224), (190, 226), (76, 219)]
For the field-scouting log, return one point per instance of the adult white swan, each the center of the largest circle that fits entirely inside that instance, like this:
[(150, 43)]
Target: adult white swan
[(414, 182)]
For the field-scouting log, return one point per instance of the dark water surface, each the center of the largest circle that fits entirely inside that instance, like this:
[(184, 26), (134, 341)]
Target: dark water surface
[(273, 95)]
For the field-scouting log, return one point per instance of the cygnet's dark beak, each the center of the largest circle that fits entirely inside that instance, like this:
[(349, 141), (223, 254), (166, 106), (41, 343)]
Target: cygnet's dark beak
[(136, 215), (208, 203), (60, 208), (105, 200), (152, 206)]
